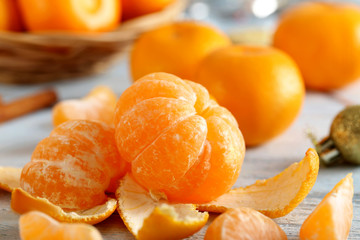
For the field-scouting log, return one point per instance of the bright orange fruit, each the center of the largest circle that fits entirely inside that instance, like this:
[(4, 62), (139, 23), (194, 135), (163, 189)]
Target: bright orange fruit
[(323, 39), (331, 219), (136, 8), (10, 18), (39, 226), (98, 105), (261, 86), (75, 165), (244, 223), (175, 48), (178, 141), (70, 15)]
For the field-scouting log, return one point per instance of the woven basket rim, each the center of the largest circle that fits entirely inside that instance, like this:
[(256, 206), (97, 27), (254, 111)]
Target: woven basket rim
[(126, 30)]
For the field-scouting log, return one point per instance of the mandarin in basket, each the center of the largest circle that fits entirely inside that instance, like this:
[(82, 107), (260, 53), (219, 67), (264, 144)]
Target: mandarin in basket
[(98, 105), (176, 48), (323, 39), (182, 146), (261, 86), (75, 165), (10, 18), (70, 15), (136, 8)]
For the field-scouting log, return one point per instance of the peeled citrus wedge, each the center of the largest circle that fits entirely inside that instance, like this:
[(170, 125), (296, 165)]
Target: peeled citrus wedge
[(9, 178), (98, 105), (332, 218), (148, 216), (39, 226), (22, 202), (274, 197), (244, 223)]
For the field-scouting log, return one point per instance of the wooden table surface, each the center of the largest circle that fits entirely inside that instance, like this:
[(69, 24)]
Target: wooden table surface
[(19, 137)]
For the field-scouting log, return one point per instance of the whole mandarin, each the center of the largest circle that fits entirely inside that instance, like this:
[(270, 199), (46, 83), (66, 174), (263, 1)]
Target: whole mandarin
[(179, 142), (176, 48), (261, 86), (323, 39)]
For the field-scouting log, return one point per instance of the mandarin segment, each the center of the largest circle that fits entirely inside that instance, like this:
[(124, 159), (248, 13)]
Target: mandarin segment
[(9, 178), (274, 197), (177, 139), (98, 105), (75, 165), (244, 223), (39, 226), (332, 218)]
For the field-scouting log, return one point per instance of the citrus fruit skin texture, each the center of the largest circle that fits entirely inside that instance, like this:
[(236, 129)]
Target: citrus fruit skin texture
[(39, 226), (323, 40), (136, 8), (274, 197), (176, 48), (178, 141), (75, 165), (331, 219), (70, 15), (261, 86), (244, 223), (10, 19), (98, 105)]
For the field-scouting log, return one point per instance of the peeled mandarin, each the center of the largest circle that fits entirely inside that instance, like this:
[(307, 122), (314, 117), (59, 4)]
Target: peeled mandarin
[(178, 141), (39, 226), (75, 165), (244, 223)]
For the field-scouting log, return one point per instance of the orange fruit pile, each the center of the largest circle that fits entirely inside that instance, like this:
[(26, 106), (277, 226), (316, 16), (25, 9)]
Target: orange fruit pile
[(75, 165), (261, 86), (73, 15), (178, 141), (175, 48), (98, 105), (323, 39), (172, 147)]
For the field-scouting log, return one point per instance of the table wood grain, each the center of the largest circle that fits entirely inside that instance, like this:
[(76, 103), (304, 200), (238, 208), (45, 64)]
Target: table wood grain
[(19, 137)]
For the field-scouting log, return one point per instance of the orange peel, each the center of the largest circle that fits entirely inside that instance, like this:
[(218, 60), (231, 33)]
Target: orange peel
[(22, 202), (148, 216), (274, 197), (9, 178)]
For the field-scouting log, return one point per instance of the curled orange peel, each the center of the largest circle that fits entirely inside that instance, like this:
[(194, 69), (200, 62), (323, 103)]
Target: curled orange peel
[(148, 216), (9, 178), (274, 197), (22, 202)]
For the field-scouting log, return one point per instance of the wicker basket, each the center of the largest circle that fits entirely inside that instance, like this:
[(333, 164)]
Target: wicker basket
[(27, 58)]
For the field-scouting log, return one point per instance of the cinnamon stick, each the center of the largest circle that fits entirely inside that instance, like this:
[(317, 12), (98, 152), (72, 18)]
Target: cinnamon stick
[(26, 105)]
